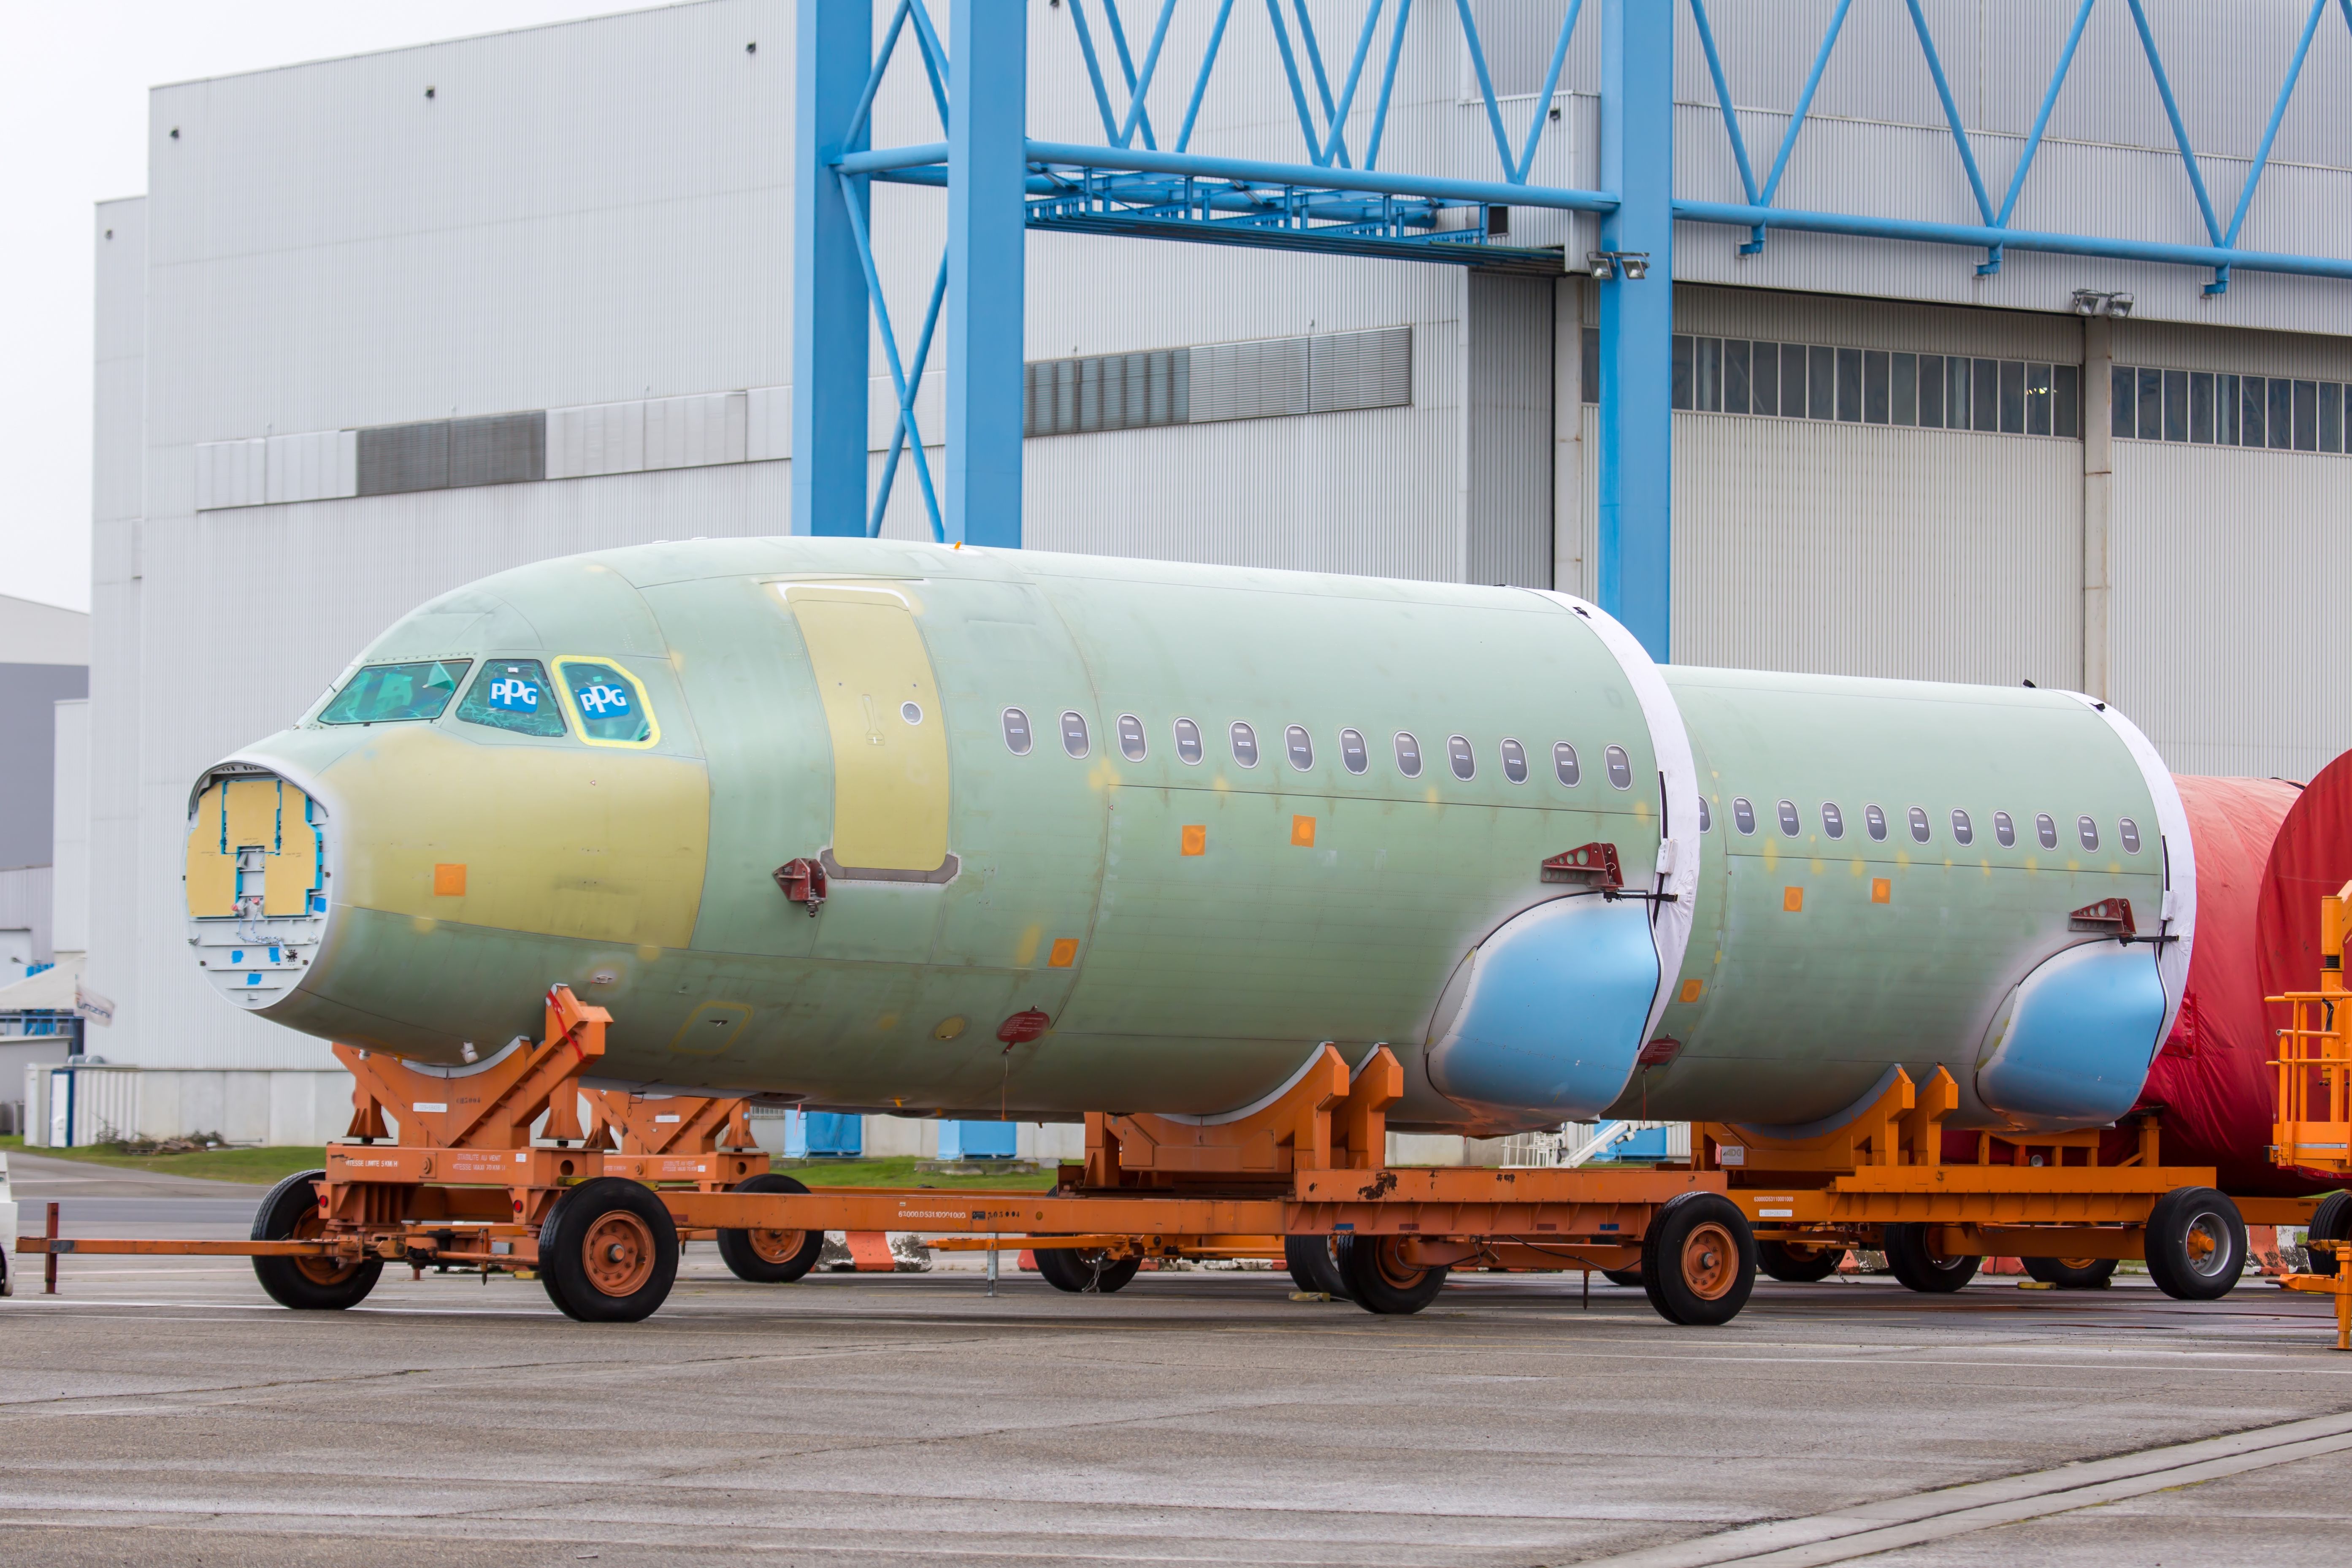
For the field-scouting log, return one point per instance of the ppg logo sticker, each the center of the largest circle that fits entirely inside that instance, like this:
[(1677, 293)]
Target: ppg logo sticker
[(513, 694), (602, 700)]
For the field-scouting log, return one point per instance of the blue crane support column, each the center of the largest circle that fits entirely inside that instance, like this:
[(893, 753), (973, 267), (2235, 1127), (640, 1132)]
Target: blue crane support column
[(1637, 320), (830, 321), (987, 229)]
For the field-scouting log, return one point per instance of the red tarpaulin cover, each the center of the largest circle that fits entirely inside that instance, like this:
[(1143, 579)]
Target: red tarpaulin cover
[(2212, 1078), (2311, 857)]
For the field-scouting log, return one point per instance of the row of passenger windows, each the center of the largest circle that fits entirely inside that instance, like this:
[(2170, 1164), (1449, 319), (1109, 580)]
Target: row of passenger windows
[(2004, 826), (2209, 409), (1298, 746)]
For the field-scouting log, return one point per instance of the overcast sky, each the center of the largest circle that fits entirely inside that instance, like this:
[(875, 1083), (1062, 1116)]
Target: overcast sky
[(74, 121)]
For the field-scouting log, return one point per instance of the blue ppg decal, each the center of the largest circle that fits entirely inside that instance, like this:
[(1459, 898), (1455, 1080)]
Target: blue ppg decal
[(602, 700), (513, 694)]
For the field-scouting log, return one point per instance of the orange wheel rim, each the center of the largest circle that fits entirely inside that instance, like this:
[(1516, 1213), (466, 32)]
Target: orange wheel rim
[(618, 1253), (1394, 1269), (1710, 1261), (2076, 1262), (776, 1246), (319, 1270)]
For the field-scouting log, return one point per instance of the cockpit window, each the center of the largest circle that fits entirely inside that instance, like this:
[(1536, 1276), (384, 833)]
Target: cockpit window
[(607, 703), (397, 694), (513, 694)]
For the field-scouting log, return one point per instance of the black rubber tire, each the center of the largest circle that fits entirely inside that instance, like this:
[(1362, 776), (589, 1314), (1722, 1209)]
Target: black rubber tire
[(1908, 1260), (291, 1210), (1317, 1265), (2089, 1274), (1798, 1265), (1622, 1277), (639, 1214), (2196, 1243), (1379, 1283), (761, 1256), (1687, 1275), (1084, 1272), (2331, 1221)]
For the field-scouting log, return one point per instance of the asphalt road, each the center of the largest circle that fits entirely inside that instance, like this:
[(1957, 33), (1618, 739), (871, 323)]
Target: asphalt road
[(161, 1411)]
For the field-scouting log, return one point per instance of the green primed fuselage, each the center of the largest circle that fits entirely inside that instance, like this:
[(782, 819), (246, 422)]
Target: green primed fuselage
[(1193, 929)]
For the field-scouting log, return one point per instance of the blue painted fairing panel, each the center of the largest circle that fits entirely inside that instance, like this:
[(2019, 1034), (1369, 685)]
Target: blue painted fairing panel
[(1553, 1016), (2074, 1047)]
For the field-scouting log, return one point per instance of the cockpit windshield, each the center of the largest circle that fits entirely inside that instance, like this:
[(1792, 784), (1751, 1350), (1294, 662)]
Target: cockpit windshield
[(392, 693), (513, 694)]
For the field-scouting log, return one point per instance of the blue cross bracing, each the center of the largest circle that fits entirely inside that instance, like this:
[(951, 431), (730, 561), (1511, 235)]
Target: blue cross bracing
[(1332, 197)]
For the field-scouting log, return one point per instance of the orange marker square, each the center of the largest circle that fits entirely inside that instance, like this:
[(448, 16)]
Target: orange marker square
[(448, 881), (1691, 989), (1792, 899), (1302, 832), (1882, 891), (1064, 954), (1196, 839)]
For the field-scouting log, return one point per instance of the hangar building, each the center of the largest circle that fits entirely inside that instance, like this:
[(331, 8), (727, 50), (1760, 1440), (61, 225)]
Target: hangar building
[(382, 325)]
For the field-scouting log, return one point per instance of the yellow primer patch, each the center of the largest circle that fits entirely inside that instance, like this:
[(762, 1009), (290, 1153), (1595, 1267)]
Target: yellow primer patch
[(603, 846), (267, 814), (1024, 953), (1771, 854), (1819, 865), (1064, 954), (423, 925), (948, 1029), (1855, 865), (647, 953), (889, 737)]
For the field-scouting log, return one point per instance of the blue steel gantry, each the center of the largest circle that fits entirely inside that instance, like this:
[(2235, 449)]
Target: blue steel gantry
[(1000, 185)]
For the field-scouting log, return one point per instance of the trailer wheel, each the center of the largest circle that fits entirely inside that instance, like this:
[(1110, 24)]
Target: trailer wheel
[(290, 1213), (1084, 1271), (2072, 1273), (1318, 1264), (1622, 1277), (1930, 1273), (1698, 1259), (2195, 1243), (1379, 1280), (1798, 1262), (2331, 1221), (770, 1257), (609, 1252)]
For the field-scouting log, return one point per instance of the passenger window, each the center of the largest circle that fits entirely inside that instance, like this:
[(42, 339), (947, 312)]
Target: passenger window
[(1074, 734), (397, 694), (607, 703), (1621, 771), (1408, 756), (1789, 825), (1188, 742), (1705, 817), (1458, 753), (2004, 829), (1515, 762), (1743, 816), (1244, 745), (2046, 830), (1833, 820), (1875, 820), (513, 694), (1563, 763), (2088, 830), (1962, 828), (1302, 750), (1919, 825), (1016, 731), (1131, 738), (1351, 750), (2128, 831)]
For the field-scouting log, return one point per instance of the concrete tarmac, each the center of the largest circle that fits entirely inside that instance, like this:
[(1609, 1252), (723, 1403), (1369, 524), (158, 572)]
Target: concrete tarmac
[(163, 1411)]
